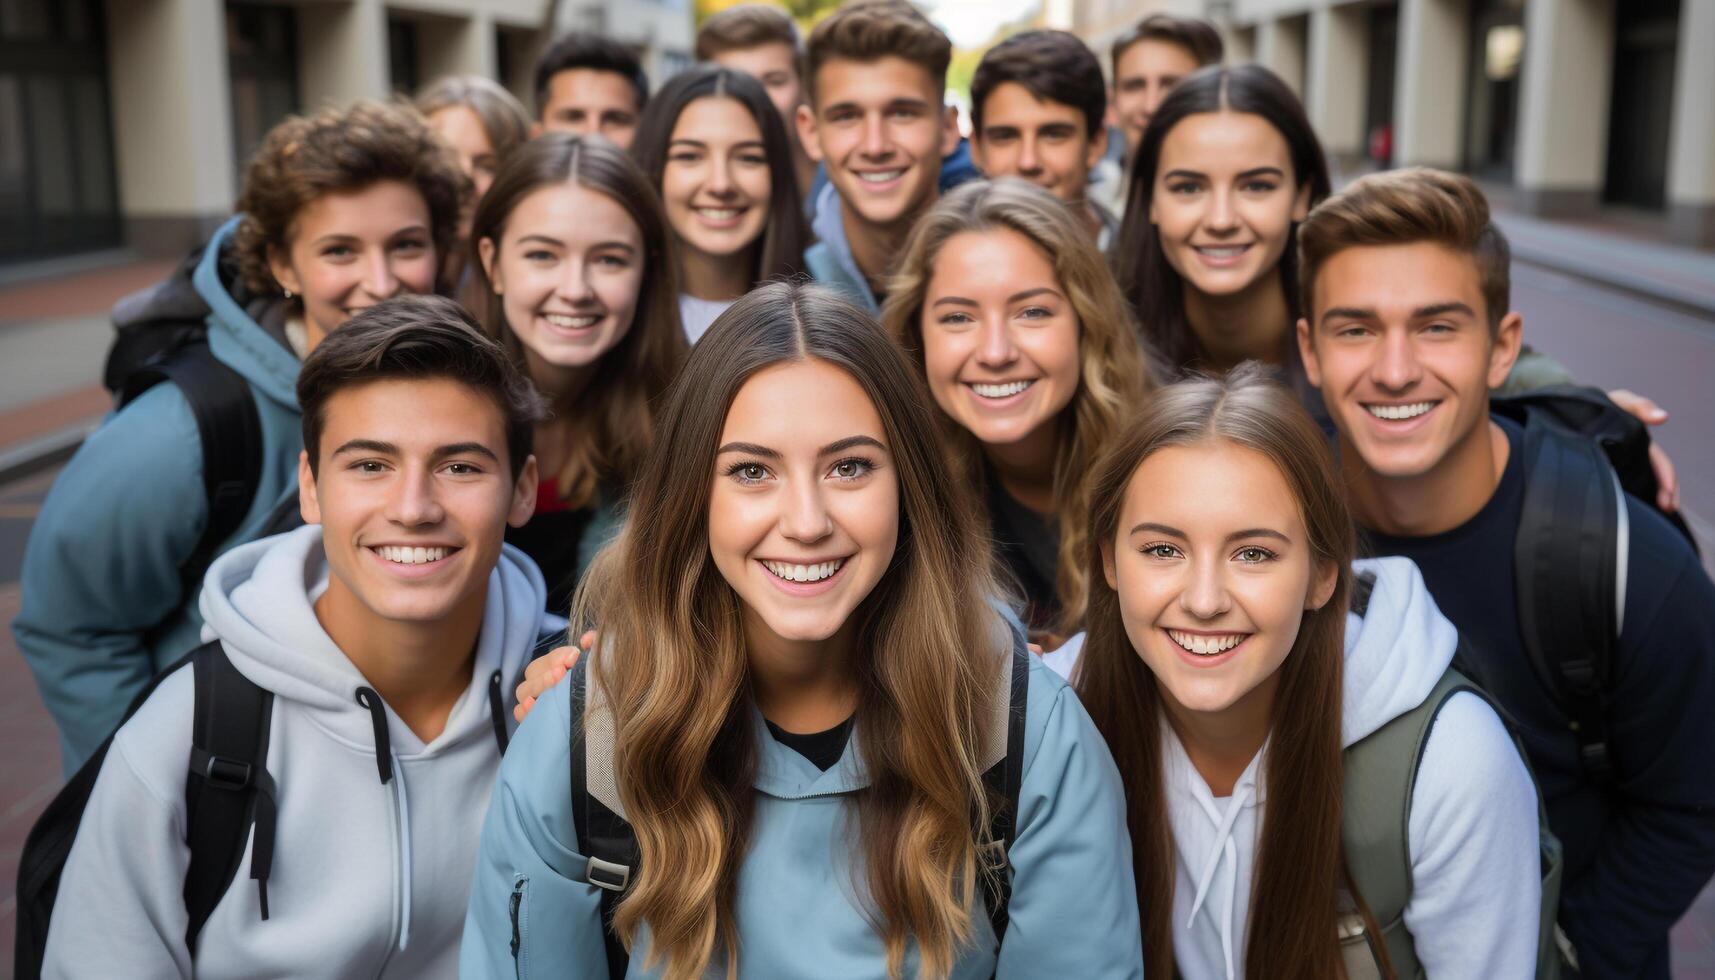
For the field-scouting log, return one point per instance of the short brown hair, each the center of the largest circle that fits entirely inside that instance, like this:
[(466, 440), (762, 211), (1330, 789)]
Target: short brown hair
[(870, 30), (503, 118), (415, 338), (340, 151), (748, 25), (1401, 207), (1198, 37), (1054, 66)]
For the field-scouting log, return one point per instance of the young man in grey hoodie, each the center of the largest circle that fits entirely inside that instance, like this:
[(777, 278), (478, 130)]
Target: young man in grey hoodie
[(384, 632)]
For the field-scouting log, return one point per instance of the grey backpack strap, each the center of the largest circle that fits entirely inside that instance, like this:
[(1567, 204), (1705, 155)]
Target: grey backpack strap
[(597, 813), (1380, 773)]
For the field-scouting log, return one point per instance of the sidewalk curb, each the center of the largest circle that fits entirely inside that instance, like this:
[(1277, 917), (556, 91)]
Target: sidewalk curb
[(1643, 287), (34, 455)]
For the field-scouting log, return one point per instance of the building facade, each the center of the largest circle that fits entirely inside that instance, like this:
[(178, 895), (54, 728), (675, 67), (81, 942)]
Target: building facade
[(1579, 105), (127, 123)]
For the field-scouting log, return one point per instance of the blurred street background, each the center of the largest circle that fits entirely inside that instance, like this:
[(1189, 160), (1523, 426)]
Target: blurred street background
[(125, 125)]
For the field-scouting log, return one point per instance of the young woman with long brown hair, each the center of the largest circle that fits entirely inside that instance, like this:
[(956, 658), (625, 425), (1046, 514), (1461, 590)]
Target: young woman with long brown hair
[(1228, 678), (1028, 348), (572, 251), (800, 665)]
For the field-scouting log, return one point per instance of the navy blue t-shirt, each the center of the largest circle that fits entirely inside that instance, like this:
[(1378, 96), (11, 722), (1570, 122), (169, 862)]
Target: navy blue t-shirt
[(1637, 854)]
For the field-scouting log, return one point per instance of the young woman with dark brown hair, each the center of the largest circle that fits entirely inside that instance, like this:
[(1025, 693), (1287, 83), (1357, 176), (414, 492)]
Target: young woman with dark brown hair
[(799, 671), (1233, 686), (572, 251)]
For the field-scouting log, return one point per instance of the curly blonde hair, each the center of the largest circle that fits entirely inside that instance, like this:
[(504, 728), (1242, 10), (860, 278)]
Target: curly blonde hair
[(1115, 375), (340, 151)]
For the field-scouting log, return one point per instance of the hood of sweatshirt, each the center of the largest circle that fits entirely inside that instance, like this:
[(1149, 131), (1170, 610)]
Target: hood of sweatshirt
[(830, 229), (259, 598), (244, 331), (1397, 647)]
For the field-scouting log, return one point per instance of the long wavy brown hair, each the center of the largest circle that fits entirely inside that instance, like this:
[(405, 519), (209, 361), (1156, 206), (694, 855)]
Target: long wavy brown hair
[(615, 406), (1299, 866), (1115, 375), (679, 677)]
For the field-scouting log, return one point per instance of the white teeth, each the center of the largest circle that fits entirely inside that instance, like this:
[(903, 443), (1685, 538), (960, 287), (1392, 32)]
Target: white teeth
[(1001, 391), (719, 214), (410, 556), (804, 573), (1222, 252), (570, 322), (1397, 412), (1207, 646), (880, 176)]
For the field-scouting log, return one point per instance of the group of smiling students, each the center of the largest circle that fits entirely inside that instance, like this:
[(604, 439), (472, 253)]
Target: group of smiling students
[(989, 606)]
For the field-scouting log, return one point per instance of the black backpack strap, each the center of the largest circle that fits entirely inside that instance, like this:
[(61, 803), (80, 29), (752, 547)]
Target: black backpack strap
[(1003, 781), (228, 788), (231, 433), (603, 835), (1570, 559)]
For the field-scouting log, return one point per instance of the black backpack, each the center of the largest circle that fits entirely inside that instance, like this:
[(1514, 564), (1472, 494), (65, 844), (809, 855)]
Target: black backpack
[(162, 335), (227, 790), (1581, 455), (611, 844)]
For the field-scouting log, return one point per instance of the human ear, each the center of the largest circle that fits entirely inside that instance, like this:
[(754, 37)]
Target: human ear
[(1504, 348), (949, 130), (805, 117), (1322, 589), (283, 272), (1098, 149), (524, 493), (485, 250), (309, 507), (1307, 354), (1109, 572), (1301, 204)]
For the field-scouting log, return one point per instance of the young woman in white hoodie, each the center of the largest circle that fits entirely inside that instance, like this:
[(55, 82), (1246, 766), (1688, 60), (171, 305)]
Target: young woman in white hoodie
[(1221, 578)]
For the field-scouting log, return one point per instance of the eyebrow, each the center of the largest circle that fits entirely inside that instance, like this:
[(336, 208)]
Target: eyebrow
[(1421, 313), (1017, 297), (441, 452), (1173, 532), (1252, 172), (742, 144), (838, 445)]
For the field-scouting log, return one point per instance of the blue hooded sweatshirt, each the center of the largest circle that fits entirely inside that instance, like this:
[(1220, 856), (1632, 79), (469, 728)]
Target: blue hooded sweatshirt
[(103, 606), (829, 261), (1073, 911)]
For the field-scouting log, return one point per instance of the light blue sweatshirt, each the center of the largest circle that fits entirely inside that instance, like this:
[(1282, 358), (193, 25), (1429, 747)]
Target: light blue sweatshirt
[(829, 260), (103, 606), (1073, 911)]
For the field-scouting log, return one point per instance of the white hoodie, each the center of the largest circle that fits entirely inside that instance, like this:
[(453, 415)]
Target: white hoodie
[(1472, 831), (368, 880)]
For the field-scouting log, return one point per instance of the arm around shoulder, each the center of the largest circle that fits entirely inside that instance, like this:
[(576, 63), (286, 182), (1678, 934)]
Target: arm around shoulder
[(528, 916), (1074, 900), (1474, 839)]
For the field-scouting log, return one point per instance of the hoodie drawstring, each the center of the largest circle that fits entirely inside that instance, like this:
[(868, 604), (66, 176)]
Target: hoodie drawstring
[(401, 806), (1223, 847), (497, 710)]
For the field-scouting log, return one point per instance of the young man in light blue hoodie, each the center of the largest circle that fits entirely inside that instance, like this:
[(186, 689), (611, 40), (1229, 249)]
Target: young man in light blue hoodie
[(876, 71), (385, 633)]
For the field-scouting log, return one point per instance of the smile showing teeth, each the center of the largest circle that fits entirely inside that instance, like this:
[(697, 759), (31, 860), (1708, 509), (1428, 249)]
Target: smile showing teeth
[(1223, 251), (1001, 391), (410, 556), (1395, 413), (567, 322), (1207, 646), (719, 214), (880, 176), (803, 573)]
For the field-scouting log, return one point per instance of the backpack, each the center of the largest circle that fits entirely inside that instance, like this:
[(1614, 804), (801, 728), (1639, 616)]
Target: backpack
[(1581, 455), (227, 790), (1380, 777), (161, 334), (611, 843)]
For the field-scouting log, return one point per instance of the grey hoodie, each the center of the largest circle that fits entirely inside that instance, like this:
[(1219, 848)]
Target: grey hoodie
[(368, 880)]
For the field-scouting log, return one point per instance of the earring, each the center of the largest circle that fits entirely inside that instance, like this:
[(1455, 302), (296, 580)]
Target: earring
[(288, 292)]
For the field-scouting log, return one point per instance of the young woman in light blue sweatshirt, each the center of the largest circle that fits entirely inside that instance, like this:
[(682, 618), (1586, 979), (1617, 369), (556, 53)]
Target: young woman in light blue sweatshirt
[(800, 667)]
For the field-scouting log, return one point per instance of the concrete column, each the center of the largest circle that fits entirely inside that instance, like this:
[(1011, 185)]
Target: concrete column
[(1563, 106), (1429, 97), (1280, 49), (1691, 147), (342, 53), (457, 46), (172, 120), (1337, 79)]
